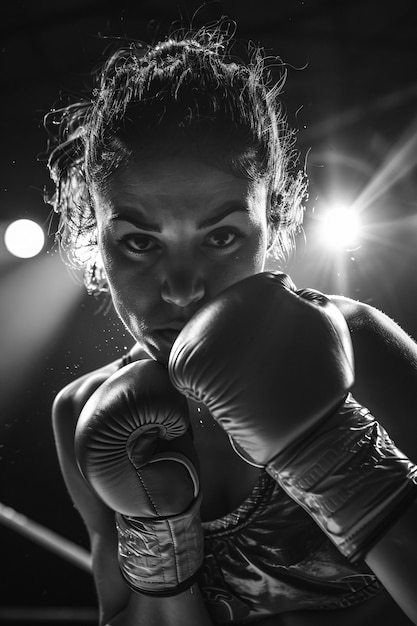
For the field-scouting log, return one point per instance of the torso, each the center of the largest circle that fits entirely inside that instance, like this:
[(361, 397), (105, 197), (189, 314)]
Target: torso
[(226, 479)]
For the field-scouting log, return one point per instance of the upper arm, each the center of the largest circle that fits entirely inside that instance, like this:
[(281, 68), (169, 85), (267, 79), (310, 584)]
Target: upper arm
[(112, 592), (385, 371)]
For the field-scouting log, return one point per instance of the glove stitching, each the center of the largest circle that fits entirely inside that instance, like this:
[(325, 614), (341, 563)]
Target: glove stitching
[(147, 493)]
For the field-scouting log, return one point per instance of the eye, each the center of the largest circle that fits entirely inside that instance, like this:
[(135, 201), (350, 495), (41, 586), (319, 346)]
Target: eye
[(223, 238), (139, 244)]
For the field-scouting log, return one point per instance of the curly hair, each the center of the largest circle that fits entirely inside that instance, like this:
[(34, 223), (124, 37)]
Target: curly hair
[(190, 86)]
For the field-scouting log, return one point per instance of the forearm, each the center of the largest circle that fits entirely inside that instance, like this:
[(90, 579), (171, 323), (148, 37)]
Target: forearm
[(394, 561), (184, 609)]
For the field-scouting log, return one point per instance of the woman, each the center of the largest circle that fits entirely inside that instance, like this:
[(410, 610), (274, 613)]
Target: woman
[(175, 181)]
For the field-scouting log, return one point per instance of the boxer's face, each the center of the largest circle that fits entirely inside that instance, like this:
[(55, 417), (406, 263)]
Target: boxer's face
[(173, 232)]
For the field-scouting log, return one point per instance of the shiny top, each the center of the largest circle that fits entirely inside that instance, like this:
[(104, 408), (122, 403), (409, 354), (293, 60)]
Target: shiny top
[(268, 557)]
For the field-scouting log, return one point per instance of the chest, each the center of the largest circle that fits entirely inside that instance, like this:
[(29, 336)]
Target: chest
[(226, 480)]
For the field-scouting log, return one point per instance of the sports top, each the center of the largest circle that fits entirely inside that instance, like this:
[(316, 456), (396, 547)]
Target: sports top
[(268, 557)]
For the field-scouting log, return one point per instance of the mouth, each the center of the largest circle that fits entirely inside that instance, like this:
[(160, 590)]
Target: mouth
[(168, 334), (162, 339), (165, 336)]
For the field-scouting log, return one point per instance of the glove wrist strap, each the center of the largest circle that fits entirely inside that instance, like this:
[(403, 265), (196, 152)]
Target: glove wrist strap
[(350, 477), (161, 556)]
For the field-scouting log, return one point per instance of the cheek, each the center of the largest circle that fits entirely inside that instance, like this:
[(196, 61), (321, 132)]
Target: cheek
[(259, 227), (116, 268), (249, 260), (133, 305), (127, 292), (112, 273), (259, 247)]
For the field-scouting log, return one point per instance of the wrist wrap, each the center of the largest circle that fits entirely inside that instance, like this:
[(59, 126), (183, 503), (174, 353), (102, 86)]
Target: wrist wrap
[(350, 477), (161, 556)]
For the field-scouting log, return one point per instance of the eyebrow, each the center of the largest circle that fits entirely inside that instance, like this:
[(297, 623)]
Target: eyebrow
[(222, 214), (150, 226), (124, 217)]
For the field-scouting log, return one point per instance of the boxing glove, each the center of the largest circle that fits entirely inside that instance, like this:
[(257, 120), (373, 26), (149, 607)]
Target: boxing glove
[(134, 447), (275, 366)]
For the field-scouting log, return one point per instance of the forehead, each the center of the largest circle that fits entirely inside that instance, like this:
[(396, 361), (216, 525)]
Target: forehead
[(183, 180)]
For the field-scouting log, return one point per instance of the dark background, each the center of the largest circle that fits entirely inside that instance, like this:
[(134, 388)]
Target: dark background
[(351, 92)]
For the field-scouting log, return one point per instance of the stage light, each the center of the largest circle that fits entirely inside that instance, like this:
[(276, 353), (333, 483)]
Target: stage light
[(339, 228), (24, 238), (37, 301)]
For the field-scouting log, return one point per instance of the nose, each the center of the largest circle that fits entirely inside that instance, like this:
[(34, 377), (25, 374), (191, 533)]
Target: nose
[(182, 286)]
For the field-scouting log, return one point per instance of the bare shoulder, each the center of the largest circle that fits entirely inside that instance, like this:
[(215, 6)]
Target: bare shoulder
[(385, 369), (70, 400), (66, 409), (371, 327), (360, 315), (68, 404)]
